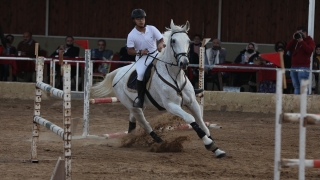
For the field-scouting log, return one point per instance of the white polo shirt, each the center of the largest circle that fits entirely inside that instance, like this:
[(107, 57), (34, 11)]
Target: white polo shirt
[(142, 41)]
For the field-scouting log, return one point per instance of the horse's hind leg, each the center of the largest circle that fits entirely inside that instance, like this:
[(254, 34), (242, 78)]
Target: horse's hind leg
[(207, 140), (132, 123), (137, 114)]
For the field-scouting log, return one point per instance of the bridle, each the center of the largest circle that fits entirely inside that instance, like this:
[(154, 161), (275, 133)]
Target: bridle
[(177, 56)]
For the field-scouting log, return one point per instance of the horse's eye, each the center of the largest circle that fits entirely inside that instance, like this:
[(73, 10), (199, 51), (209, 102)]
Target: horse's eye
[(173, 41)]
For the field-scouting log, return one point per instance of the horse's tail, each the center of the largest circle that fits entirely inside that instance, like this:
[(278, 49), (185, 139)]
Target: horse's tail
[(103, 88)]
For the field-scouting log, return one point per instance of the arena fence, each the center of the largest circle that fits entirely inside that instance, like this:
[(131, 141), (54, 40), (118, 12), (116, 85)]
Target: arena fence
[(304, 119), (65, 132)]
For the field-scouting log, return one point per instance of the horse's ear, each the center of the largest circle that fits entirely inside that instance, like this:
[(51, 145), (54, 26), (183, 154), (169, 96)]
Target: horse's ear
[(171, 24), (187, 26)]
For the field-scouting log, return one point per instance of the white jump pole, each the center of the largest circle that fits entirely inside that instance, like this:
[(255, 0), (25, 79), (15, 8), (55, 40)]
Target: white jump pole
[(311, 119), (302, 136), (278, 125), (87, 85)]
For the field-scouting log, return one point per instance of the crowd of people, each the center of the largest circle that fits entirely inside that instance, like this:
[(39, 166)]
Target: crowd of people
[(25, 70), (296, 55)]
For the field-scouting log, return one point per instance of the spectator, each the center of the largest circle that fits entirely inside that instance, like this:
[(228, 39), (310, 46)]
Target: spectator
[(246, 56), (27, 48), (69, 50), (315, 66), (287, 65), (12, 49), (101, 52), (124, 56), (301, 47), (215, 55), (249, 54), (4, 68), (194, 57)]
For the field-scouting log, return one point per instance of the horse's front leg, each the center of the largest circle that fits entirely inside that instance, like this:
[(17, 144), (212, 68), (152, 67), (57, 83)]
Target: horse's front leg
[(196, 112), (188, 118)]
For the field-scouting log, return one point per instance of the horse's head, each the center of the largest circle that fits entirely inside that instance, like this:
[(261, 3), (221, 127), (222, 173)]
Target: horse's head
[(179, 44)]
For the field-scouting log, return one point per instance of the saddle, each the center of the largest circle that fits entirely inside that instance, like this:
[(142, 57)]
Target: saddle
[(132, 83)]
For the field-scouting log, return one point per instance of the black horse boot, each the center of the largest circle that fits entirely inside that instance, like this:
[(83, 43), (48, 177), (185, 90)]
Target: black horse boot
[(138, 102)]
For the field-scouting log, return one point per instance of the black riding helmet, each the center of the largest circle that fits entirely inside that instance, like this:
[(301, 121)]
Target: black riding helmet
[(138, 13)]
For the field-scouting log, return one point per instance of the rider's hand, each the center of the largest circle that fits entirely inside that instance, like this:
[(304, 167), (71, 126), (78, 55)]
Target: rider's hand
[(144, 52), (161, 46)]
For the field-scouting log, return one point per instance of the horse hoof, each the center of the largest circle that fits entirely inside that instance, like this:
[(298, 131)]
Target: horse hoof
[(220, 154), (159, 140)]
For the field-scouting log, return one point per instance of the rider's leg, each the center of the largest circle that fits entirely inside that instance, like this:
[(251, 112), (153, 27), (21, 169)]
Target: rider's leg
[(141, 66), (140, 99)]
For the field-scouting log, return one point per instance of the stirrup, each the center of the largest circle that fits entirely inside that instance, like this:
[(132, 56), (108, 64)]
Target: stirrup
[(138, 104)]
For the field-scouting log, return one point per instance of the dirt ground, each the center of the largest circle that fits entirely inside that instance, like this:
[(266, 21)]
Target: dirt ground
[(247, 138)]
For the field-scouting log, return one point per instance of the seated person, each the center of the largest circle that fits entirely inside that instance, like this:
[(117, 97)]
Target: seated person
[(12, 49), (124, 56), (279, 44), (69, 50), (101, 52), (27, 48), (215, 55), (246, 56), (4, 68), (194, 58)]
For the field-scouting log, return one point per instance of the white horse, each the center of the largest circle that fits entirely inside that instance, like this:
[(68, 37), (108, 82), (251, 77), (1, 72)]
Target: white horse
[(169, 87)]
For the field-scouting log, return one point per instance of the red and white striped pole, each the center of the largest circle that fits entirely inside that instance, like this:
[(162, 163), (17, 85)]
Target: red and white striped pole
[(311, 163), (104, 100)]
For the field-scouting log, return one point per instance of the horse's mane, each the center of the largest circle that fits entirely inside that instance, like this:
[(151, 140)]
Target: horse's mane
[(167, 35)]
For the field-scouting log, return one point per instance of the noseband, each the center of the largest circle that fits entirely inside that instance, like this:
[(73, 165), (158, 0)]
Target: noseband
[(177, 56)]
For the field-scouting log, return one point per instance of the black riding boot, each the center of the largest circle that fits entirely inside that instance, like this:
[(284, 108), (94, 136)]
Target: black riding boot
[(140, 99)]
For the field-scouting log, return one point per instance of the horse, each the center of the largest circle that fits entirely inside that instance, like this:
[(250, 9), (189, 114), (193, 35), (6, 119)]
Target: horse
[(169, 87)]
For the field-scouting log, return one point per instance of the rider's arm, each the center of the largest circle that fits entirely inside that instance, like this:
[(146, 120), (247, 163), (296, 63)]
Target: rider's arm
[(133, 52), (161, 44)]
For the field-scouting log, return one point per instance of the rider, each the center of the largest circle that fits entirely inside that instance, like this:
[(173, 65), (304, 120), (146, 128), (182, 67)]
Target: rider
[(142, 42)]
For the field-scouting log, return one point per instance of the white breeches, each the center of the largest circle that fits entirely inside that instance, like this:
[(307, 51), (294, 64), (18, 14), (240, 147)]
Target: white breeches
[(142, 64)]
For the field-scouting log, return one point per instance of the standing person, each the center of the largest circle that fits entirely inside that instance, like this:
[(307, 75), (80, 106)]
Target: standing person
[(142, 41), (301, 48), (315, 66)]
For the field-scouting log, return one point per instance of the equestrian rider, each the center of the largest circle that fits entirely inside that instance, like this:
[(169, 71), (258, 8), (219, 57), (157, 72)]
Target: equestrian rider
[(142, 42)]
